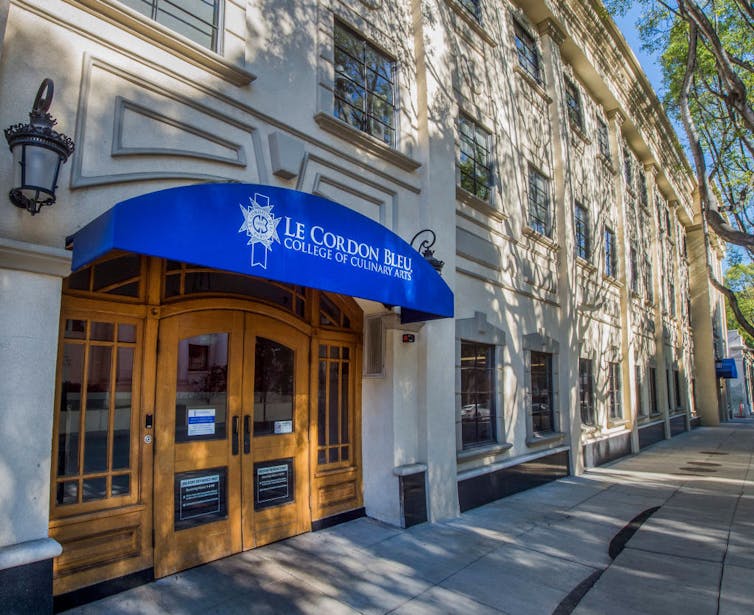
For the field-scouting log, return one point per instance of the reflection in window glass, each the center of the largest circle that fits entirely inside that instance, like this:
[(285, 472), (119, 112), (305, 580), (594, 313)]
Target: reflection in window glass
[(273, 387), (201, 391), (541, 393), (477, 394), (97, 409), (333, 404), (197, 20)]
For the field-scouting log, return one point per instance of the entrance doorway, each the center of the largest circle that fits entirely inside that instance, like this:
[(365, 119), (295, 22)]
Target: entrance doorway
[(231, 436), (198, 413)]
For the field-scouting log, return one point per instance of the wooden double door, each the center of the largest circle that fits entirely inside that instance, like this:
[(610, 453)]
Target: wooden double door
[(230, 434)]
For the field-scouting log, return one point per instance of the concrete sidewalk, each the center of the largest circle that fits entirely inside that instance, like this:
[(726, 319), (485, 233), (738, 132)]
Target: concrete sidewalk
[(543, 551)]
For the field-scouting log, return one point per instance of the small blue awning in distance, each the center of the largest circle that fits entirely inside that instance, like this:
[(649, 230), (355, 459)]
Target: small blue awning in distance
[(273, 233), (726, 368)]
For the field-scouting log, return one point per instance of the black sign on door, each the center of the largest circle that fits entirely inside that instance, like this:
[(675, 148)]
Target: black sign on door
[(273, 483), (200, 497)]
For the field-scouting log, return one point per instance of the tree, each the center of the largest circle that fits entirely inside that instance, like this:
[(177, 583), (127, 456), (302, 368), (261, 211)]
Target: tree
[(707, 55), (739, 278)]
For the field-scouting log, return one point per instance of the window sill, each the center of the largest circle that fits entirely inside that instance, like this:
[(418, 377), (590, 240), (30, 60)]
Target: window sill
[(612, 280), (541, 239), (541, 439), (468, 18), (482, 206), (533, 83), (586, 265), (164, 37), (617, 424), (579, 132), (367, 142), (478, 452), (607, 163)]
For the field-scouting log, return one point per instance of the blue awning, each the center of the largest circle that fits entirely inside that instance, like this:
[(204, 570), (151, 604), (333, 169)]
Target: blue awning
[(273, 233), (726, 368)]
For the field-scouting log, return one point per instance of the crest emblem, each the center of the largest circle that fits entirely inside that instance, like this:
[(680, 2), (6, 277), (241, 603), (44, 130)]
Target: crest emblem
[(260, 226)]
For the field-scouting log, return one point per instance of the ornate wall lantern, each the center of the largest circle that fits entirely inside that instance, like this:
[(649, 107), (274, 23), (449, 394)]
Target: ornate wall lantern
[(38, 152), (424, 249)]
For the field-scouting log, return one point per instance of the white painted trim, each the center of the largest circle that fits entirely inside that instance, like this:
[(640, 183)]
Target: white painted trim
[(34, 258), (508, 463)]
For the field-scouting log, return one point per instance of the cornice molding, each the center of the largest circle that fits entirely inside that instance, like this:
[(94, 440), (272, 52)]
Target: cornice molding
[(548, 27)]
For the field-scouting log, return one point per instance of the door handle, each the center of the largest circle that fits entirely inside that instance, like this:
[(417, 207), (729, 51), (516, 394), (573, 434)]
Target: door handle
[(235, 435), (246, 434)]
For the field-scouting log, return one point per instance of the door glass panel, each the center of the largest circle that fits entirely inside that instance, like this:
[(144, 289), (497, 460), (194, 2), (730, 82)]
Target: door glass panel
[(121, 485), (273, 388), (200, 497), (70, 410), (102, 331), (201, 394), (97, 410), (67, 492), (122, 421), (95, 489)]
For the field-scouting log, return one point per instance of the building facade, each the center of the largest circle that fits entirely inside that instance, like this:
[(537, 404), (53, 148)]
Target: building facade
[(168, 402)]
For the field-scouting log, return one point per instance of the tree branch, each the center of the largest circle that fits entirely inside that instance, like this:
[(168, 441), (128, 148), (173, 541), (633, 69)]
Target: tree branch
[(732, 301)]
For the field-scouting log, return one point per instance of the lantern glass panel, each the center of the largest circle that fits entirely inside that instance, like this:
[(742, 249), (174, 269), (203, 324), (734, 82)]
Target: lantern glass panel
[(40, 170)]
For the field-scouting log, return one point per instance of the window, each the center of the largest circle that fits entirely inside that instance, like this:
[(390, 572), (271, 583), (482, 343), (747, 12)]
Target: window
[(539, 203), (603, 139), (474, 165), (634, 271), (528, 56), (542, 411), (615, 407), (641, 409), (677, 383), (671, 293), (94, 451), (611, 257), (364, 86), (669, 389), (334, 403), (197, 20), (581, 228), (648, 279), (653, 391), (472, 6), (573, 102), (643, 193), (628, 168), (586, 392), (477, 393)]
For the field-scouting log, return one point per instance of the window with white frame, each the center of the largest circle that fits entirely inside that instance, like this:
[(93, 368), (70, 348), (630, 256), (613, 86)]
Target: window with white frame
[(364, 85), (615, 407), (539, 203), (474, 160), (528, 55), (198, 20)]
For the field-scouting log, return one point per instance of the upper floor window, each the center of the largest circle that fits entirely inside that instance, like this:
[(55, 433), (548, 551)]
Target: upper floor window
[(474, 165), (613, 391), (528, 56), (364, 85), (198, 20), (677, 388), (477, 393), (611, 256), (641, 409), (581, 228), (648, 279), (573, 102), (473, 7), (652, 376), (603, 138), (539, 203), (634, 270), (643, 193), (628, 169)]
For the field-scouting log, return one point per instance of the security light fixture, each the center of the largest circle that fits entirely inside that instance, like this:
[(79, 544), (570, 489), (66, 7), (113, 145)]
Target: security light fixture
[(38, 151), (424, 249)]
